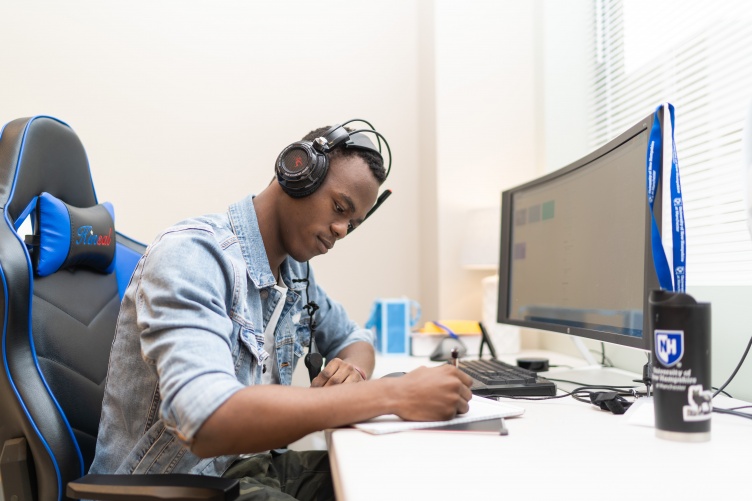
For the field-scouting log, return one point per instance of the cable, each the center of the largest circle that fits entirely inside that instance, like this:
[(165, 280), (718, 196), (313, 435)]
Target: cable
[(741, 407), (605, 361), (733, 413), (722, 391), (583, 385), (739, 365), (379, 137), (313, 361), (574, 393)]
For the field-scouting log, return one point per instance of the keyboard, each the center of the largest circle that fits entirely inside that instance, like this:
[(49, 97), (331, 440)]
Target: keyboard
[(493, 378)]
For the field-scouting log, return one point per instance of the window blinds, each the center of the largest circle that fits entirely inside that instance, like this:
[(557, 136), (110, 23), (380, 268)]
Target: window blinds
[(697, 55)]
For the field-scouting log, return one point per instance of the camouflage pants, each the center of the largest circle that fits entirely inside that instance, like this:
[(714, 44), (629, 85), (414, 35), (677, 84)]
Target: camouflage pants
[(292, 475)]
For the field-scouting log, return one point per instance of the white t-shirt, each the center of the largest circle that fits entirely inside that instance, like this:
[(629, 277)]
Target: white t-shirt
[(270, 370)]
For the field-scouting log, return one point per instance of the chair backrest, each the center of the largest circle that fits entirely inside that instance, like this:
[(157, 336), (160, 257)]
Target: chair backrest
[(57, 330)]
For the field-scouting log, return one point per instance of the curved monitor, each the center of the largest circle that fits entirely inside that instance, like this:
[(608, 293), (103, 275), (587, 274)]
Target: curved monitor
[(575, 246)]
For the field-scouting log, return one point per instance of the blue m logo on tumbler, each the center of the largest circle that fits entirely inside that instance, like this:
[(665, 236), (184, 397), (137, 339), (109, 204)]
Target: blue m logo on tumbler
[(669, 346)]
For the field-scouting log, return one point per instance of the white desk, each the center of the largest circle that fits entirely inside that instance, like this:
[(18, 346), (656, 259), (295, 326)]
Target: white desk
[(559, 449)]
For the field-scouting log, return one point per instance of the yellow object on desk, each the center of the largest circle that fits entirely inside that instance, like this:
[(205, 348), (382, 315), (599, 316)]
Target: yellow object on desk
[(459, 327)]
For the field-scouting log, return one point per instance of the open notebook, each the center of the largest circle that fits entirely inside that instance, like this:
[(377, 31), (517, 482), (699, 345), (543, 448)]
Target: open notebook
[(480, 409)]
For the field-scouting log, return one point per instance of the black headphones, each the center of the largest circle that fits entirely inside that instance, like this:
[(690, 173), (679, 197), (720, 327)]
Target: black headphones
[(303, 165)]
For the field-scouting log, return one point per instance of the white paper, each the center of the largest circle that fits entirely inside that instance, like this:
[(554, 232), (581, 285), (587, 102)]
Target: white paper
[(480, 409)]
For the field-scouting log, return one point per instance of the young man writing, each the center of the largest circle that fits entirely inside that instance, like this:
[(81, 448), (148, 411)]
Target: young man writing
[(216, 317)]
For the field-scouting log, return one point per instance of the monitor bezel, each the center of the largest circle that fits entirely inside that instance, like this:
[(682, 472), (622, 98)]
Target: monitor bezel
[(650, 277)]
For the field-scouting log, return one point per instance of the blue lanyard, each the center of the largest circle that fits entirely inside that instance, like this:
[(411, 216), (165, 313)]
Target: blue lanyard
[(676, 283)]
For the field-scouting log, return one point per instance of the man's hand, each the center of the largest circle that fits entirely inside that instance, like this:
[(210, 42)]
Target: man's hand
[(337, 371), (432, 394)]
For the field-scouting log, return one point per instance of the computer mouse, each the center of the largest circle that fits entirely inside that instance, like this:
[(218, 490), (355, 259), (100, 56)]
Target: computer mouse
[(443, 351), (394, 374)]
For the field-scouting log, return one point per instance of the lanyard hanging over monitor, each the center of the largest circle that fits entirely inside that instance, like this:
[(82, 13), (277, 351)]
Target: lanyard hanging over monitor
[(677, 281)]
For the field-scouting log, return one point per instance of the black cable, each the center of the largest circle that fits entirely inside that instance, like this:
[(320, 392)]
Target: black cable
[(313, 361), (583, 385), (573, 393), (604, 359), (722, 391), (739, 365), (733, 413), (741, 407), (379, 137), (520, 397)]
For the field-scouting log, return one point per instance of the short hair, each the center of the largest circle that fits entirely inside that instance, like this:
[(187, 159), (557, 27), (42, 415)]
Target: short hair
[(373, 160)]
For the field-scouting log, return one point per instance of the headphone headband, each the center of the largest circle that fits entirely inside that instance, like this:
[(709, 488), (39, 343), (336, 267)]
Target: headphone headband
[(303, 165)]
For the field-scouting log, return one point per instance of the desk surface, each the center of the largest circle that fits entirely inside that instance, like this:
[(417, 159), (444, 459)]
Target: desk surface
[(562, 449)]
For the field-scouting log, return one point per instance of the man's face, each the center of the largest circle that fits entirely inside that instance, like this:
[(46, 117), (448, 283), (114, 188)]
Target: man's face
[(314, 223)]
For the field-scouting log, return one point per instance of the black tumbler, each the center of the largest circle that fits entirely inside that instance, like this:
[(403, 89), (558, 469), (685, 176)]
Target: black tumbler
[(680, 341)]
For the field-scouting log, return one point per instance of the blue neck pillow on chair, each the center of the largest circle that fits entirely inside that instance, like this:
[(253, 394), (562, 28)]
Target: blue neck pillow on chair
[(67, 236)]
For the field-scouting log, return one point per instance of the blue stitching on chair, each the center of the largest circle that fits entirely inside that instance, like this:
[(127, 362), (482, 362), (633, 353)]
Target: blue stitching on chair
[(15, 390), (31, 296)]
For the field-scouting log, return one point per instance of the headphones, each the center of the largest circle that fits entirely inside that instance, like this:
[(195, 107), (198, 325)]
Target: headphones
[(303, 165), (300, 169)]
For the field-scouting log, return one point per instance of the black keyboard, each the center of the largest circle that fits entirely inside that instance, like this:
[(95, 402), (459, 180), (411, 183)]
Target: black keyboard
[(496, 378)]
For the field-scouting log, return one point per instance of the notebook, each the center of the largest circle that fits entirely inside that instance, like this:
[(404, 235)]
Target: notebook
[(480, 409)]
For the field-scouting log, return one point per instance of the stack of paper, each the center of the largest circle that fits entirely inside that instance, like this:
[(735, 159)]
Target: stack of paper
[(480, 409)]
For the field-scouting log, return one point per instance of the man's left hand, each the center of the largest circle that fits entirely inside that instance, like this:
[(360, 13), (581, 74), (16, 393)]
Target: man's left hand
[(337, 371)]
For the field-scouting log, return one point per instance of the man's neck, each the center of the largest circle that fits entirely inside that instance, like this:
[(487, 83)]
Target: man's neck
[(269, 225)]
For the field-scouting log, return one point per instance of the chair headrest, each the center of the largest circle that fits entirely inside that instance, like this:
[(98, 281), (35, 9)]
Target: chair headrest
[(67, 236), (42, 154)]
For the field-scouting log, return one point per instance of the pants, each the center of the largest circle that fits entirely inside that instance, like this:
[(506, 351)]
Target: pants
[(292, 475)]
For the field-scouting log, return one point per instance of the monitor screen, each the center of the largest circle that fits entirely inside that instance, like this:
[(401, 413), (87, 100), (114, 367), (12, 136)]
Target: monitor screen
[(575, 246)]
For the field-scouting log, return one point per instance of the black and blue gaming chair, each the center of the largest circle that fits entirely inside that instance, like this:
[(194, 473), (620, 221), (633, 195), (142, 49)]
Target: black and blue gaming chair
[(57, 332)]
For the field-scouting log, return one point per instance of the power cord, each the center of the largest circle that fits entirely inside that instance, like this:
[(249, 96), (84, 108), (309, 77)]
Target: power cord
[(610, 398), (732, 412)]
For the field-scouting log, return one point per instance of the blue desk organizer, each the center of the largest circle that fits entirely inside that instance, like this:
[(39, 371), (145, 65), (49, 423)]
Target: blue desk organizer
[(393, 319)]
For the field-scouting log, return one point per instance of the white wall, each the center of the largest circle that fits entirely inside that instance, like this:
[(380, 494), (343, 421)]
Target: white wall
[(183, 107), (487, 122)]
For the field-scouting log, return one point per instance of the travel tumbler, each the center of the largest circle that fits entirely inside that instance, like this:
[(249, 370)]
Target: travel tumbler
[(680, 339)]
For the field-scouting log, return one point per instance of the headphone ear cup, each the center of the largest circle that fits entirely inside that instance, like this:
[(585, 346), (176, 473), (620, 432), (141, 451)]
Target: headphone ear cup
[(301, 169)]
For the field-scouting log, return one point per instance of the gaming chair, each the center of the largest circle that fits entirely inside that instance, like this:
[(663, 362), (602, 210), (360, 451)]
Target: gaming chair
[(57, 331)]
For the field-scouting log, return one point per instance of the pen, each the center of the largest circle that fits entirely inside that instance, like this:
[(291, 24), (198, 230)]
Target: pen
[(502, 427), (455, 357)]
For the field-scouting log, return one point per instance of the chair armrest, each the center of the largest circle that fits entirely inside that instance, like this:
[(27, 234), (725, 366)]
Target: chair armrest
[(153, 487)]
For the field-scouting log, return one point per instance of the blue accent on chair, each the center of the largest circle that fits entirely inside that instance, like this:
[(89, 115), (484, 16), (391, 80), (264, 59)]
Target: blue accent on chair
[(15, 389), (126, 260), (55, 234), (22, 217)]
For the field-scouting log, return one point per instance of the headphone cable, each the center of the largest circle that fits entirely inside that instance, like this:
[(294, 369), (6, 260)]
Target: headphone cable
[(313, 360)]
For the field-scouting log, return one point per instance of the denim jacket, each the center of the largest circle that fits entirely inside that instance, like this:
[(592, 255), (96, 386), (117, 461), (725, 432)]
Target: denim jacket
[(190, 334)]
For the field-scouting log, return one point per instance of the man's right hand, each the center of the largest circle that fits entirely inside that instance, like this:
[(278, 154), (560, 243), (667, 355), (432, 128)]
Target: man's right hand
[(432, 394)]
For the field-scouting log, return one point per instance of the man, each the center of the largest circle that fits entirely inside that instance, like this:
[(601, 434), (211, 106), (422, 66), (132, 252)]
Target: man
[(216, 308)]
